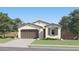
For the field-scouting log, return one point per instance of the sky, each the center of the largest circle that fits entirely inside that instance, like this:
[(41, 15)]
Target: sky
[(31, 14)]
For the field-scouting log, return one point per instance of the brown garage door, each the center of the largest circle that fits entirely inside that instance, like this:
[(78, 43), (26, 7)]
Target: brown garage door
[(29, 33)]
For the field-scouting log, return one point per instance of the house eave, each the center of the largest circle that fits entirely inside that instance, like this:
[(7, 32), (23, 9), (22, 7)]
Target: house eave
[(53, 25)]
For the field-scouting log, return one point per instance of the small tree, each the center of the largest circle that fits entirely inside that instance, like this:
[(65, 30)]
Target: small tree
[(71, 22), (74, 24), (7, 24), (17, 22), (65, 23), (4, 28)]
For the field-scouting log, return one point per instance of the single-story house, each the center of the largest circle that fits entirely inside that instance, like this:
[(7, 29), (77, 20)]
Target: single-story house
[(39, 29)]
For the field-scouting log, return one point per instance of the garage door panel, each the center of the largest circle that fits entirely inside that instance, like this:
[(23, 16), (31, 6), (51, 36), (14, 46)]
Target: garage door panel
[(29, 34)]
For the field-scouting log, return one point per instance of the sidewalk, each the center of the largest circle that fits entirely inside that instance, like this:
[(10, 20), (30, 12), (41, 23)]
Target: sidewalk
[(40, 45)]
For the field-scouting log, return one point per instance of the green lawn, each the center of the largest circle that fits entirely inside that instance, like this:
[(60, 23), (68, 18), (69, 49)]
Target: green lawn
[(57, 42), (5, 40)]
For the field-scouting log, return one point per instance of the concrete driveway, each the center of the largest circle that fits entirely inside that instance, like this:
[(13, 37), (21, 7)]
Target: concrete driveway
[(18, 43)]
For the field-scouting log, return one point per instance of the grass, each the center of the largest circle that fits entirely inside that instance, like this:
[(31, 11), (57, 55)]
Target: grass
[(57, 42), (5, 40)]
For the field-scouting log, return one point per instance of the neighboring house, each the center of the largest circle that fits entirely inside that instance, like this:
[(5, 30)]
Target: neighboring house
[(39, 29)]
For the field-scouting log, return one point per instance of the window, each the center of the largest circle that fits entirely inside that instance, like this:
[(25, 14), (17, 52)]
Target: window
[(48, 31), (56, 31), (53, 32)]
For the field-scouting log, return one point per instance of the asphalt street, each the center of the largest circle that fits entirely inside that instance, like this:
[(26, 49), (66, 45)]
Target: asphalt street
[(37, 49)]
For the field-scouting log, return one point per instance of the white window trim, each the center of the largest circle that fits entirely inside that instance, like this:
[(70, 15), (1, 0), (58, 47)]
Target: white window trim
[(50, 32)]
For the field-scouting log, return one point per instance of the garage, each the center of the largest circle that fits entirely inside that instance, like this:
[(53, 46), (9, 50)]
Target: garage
[(29, 33)]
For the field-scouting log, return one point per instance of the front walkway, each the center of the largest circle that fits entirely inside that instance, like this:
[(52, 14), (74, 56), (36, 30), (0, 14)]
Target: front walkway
[(18, 43)]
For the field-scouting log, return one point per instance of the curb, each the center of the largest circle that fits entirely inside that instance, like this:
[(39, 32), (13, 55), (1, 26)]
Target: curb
[(40, 45)]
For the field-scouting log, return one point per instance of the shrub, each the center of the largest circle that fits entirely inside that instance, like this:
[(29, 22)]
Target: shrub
[(1, 37), (9, 37), (12, 37), (50, 39)]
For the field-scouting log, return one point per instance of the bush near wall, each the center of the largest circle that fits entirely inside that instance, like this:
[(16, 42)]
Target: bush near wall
[(50, 38)]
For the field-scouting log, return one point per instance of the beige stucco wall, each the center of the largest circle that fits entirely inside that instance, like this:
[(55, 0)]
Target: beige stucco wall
[(54, 36), (30, 27)]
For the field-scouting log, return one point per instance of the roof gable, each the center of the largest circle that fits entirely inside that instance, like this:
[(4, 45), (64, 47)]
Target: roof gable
[(41, 22)]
